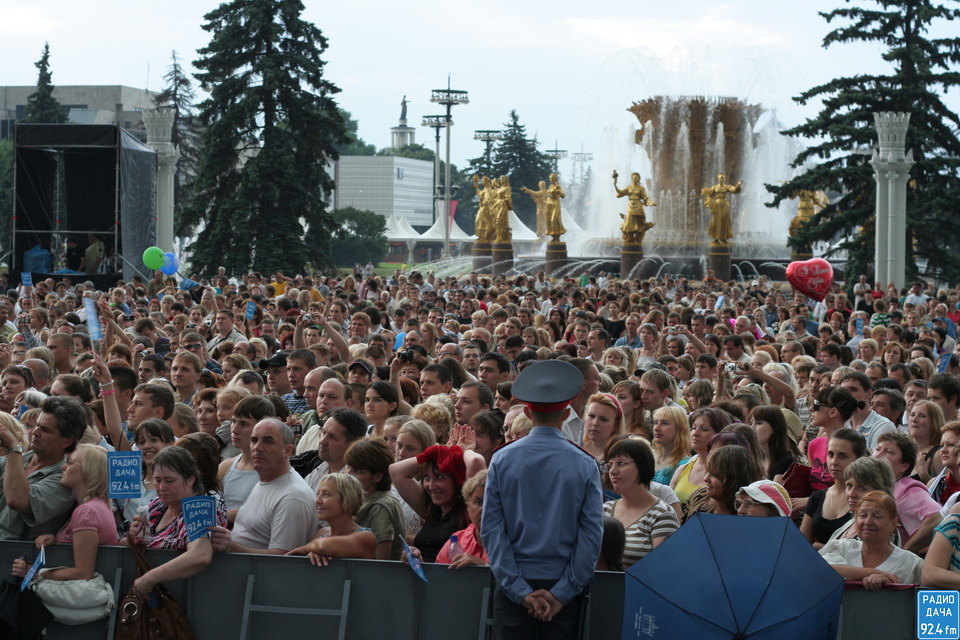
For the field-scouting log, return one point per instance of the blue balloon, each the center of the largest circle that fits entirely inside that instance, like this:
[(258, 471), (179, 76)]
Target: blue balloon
[(170, 263)]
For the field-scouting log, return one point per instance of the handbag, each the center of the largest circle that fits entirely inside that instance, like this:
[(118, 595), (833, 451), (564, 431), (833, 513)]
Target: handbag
[(159, 615), (75, 601), (22, 615), (796, 481)]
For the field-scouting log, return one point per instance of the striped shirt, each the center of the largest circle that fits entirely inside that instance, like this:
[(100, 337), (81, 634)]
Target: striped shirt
[(950, 529), (659, 521)]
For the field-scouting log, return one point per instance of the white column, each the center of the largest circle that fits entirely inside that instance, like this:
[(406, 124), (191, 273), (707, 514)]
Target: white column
[(892, 170), (159, 125), (881, 222)]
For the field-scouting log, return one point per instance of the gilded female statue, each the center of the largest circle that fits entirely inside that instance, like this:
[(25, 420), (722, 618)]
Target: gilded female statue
[(635, 224), (715, 199), (484, 219), (554, 219)]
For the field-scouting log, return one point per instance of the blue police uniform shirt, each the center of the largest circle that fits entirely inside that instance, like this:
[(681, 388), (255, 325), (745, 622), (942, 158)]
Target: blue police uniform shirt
[(542, 515)]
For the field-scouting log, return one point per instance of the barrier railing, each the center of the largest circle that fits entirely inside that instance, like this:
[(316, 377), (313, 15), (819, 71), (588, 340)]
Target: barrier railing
[(385, 600)]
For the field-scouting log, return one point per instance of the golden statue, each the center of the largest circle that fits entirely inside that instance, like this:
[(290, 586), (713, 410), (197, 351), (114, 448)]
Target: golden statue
[(539, 199), (502, 205), (554, 217), (715, 199), (635, 224), (806, 208), (484, 219)]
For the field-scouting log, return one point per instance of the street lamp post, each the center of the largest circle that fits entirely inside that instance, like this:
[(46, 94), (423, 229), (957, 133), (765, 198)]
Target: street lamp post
[(449, 98), (488, 136), (437, 122)]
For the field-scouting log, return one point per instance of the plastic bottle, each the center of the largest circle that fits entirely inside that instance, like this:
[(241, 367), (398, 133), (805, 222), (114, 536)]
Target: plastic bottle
[(455, 548)]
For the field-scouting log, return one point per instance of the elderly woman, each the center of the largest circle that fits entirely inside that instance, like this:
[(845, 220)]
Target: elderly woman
[(369, 462), (862, 476), (603, 421), (339, 498), (646, 519), (873, 559), (176, 477), (763, 498)]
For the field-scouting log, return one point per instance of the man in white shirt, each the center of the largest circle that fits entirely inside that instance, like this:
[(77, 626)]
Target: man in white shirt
[(279, 515)]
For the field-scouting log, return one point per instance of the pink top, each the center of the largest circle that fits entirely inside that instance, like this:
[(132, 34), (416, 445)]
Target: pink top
[(820, 477), (467, 540), (914, 505), (93, 515)]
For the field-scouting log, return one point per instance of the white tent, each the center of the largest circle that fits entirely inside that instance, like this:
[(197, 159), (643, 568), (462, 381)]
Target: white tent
[(520, 231), (568, 222), (456, 233), (399, 230)]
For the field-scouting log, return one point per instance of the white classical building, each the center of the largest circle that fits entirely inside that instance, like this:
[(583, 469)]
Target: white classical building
[(388, 185)]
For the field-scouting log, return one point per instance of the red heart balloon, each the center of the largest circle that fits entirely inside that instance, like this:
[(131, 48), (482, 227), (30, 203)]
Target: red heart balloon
[(811, 277)]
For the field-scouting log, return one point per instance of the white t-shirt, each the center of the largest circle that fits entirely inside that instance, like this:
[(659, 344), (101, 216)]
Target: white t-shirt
[(279, 514)]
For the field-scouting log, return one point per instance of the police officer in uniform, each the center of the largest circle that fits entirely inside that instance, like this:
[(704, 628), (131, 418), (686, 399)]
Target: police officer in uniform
[(542, 514)]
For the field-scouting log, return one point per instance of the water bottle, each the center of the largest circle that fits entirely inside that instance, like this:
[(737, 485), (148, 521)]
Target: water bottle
[(455, 548)]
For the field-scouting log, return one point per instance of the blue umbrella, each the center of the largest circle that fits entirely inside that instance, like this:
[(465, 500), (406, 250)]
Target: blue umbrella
[(733, 577)]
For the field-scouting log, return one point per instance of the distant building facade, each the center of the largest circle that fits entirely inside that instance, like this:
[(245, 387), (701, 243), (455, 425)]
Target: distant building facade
[(388, 185), (86, 104)]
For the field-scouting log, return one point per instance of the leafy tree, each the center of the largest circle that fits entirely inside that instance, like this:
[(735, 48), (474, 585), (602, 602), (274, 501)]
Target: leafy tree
[(42, 107), (179, 93), (6, 192), (415, 151), (922, 70), (359, 237), (270, 127), (354, 146), (517, 156)]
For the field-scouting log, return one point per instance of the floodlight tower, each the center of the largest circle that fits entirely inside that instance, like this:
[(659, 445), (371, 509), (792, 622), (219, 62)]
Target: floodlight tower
[(488, 136), (449, 98), (556, 155)]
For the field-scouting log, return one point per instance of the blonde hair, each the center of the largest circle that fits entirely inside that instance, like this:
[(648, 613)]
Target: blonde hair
[(233, 394), (15, 427), (436, 411), (349, 489), (93, 466), (682, 445), (608, 401)]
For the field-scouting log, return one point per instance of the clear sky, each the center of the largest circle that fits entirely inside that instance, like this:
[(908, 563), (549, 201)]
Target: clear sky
[(568, 67)]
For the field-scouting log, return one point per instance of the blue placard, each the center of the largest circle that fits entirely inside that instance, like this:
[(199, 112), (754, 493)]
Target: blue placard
[(26, 279), (187, 284), (859, 324), (413, 562), (93, 319), (36, 566), (251, 310), (199, 514), (125, 469), (938, 615)]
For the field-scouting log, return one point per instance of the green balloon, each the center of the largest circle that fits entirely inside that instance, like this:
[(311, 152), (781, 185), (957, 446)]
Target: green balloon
[(153, 258)]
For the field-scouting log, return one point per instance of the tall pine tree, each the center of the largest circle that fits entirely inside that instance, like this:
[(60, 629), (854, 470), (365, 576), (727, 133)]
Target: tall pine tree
[(42, 107), (517, 157), (922, 71), (271, 125), (179, 93)]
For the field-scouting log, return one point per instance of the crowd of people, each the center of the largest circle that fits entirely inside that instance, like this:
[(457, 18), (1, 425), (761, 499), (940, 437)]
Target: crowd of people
[(333, 417)]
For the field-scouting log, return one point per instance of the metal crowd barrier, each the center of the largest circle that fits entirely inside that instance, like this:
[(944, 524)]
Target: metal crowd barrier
[(252, 597)]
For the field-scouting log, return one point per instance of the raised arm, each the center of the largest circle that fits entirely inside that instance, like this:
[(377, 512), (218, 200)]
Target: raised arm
[(111, 411), (404, 474)]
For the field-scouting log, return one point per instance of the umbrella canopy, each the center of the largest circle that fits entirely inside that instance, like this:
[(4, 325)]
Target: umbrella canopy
[(733, 577)]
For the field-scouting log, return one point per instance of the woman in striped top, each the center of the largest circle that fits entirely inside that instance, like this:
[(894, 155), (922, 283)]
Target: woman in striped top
[(647, 520)]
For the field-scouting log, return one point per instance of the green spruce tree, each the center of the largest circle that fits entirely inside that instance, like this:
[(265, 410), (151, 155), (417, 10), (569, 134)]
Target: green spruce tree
[(42, 107), (179, 93), (354, 146), (922, 70), (270, 127), (517, 156)]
